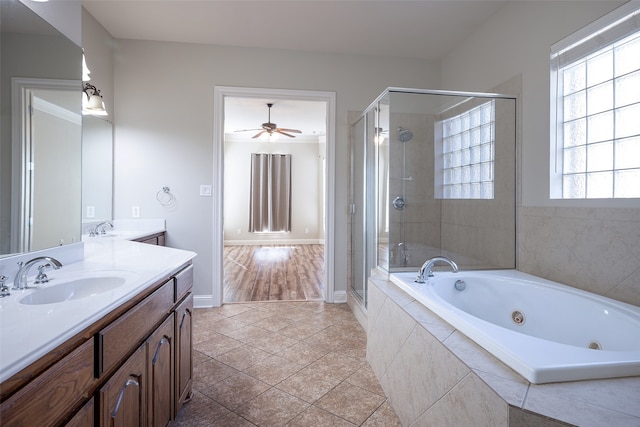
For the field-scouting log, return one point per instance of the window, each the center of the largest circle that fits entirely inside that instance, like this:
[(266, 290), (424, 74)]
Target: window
[(596, 101), (465, 154)]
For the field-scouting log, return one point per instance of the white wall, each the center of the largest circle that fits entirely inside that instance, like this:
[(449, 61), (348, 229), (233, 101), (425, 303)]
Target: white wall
[(305, 195), (591, 245), (98, 48), (164, 125), (63, 15), (516, 41)]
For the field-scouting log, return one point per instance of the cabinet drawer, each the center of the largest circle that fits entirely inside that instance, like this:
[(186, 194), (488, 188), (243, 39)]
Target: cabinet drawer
[(123, 335), (46, 399), (184, 282)]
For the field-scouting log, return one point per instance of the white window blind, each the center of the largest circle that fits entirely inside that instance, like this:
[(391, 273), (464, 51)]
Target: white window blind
[(595, 105)]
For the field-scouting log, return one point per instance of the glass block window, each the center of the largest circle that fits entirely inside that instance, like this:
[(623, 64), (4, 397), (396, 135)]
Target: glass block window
[(465, 154), (597, 120)]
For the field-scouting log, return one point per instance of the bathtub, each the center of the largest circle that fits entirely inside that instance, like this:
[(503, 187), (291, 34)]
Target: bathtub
[(545, 331)]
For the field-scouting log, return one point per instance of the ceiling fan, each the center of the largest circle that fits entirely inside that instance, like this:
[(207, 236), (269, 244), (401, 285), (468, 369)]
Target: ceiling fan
[(271, 128)]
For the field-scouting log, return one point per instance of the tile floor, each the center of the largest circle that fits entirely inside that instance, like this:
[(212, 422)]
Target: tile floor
[(282, 364)]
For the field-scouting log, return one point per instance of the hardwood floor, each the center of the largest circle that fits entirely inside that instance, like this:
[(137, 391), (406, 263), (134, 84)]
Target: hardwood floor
[(273, 273)]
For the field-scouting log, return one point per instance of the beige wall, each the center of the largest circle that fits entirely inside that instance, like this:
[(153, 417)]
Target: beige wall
[(590, 245)]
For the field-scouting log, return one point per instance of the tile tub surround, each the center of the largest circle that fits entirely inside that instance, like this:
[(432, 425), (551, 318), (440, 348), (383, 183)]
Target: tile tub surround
[(594, 249), (415, 353)]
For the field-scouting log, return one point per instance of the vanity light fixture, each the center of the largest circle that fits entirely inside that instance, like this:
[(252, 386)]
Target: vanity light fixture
[(93, 103), (85, 69)]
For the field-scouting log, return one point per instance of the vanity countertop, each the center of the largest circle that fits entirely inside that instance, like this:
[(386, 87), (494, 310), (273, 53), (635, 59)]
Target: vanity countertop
[(128, 229), (27, 332)]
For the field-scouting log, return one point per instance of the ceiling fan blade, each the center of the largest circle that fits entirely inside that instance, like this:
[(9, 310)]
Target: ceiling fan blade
[(290, 130), (258, 134), (247, 130), (284, 133)]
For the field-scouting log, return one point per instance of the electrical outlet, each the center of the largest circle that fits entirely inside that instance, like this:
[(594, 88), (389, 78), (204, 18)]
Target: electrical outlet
[(91, 211), (135, 211)]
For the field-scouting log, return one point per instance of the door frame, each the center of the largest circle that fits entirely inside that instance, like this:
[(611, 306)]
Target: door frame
[(219, 93), (22, 89)]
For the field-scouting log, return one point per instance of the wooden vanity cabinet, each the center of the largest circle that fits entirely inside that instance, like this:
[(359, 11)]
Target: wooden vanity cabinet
[(85, 417), (184, 356), (183, 337), (160, 368), (123, 399), (131, 368), (153, 239), (50, 395)]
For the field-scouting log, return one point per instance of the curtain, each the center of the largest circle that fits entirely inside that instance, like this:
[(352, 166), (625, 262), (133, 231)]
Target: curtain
[(270, 197)]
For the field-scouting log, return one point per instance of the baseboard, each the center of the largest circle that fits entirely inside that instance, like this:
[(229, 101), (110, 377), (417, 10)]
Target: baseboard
[(340, 296), (203, 301)]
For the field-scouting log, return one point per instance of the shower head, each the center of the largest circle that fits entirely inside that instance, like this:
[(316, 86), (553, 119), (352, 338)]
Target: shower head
[(404, 135)]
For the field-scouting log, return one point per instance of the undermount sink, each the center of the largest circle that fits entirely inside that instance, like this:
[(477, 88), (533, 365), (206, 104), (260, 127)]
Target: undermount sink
[(73, 290)]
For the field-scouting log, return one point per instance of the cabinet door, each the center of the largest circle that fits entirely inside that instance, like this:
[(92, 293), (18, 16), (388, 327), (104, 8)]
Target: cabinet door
[(123, 399), (160, 353), (84, 417), (184, 360)]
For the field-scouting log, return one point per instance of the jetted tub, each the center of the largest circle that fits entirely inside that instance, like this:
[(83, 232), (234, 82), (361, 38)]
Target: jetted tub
[(545, 331)]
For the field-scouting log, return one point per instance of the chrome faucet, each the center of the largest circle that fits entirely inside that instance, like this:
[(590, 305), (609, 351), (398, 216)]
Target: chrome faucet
[(20, 281), (97, 231), (4, 289), (425, 270)]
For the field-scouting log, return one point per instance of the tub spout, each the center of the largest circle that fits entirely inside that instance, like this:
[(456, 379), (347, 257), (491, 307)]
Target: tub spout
[(425, 270)]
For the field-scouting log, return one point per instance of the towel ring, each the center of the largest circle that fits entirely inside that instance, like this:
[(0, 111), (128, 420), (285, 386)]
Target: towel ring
[(164, 197)]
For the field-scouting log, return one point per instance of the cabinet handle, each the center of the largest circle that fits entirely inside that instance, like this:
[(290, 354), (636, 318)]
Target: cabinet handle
[(162, 342), (121, 396), (184, 315)]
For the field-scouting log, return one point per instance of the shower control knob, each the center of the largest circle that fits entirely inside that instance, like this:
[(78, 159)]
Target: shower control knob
[(399, 203)]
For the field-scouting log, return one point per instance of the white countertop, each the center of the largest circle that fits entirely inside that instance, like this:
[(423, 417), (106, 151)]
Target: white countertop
[(27, 332), (127, 229)]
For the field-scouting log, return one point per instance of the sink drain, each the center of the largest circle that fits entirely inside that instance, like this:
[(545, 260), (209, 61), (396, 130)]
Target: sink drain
[(595, 345), (518, 317)]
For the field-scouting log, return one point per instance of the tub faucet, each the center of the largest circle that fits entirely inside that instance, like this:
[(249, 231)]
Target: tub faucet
[(20, 281), (97, 231), (425, 270)]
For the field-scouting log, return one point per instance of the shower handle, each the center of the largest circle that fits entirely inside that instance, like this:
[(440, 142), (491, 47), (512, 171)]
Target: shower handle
[(399, 203)]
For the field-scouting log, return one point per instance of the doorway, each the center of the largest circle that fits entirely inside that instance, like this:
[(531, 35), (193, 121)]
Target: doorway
[(230, 228)]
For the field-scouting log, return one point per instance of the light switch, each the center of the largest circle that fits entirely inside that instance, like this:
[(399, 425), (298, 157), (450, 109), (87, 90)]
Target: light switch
[(205, 190)]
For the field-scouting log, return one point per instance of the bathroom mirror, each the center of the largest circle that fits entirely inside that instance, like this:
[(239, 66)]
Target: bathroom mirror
[(97, 170), (33, 51)]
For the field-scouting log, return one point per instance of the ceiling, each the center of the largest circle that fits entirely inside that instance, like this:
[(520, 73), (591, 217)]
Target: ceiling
[(422, 29)]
